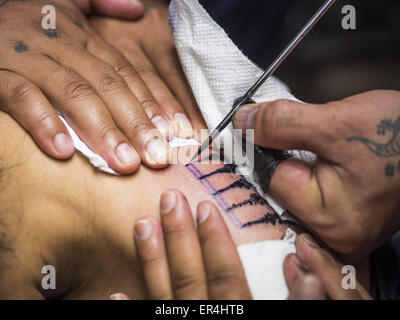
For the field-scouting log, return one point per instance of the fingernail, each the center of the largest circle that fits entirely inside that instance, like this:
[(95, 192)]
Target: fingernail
[(118, 296), (185, 127), (157, 150), (245, 117), (143, 229), (309, 240), (204, 213), (168, 202), (162, 124), (63, 144), (126, 154), (134, 2)]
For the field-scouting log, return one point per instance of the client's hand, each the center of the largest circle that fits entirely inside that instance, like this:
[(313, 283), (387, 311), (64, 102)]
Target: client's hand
[(351, 197), (124, 9), (149, 46), (180, 262), (87, 80), (313, 274)]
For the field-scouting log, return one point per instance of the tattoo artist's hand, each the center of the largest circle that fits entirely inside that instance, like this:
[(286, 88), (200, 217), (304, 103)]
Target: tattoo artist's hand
[(182, 263), (87, 81), (313, 274), (351, 197), (124, 9), (148, 44)]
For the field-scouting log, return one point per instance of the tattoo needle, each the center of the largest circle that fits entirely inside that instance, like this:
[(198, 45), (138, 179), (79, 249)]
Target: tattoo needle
[(267, 74)]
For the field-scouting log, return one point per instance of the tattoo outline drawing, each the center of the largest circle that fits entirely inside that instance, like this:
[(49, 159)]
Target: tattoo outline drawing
[(386, 150)]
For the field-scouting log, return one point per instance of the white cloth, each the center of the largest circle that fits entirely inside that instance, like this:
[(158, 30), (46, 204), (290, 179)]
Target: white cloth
[(263, 266), (219, 73)]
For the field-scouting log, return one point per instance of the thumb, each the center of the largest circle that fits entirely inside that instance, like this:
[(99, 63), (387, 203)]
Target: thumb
[(286, 124), (124, 9)]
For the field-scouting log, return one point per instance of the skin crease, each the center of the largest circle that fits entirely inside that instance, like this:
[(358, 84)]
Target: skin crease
[(69, 215), (87, 80), (348, 199)]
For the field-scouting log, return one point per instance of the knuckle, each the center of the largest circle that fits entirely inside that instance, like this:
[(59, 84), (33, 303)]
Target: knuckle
[(175, 230), (125, 69), (23, 91), (41, 121), (183, 280), (223, 276), (139, 125), (150, 106), (76, 87), (110, 82), (106, 130), (276, 115), (146, 72)]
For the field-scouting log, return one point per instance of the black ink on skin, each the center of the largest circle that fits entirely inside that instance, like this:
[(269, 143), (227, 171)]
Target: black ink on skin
[(390, 170), (242, 183), (79, 24), (269, 218), (227, 168), (52, 34), (21, 47), (389, 149), (255, 199)]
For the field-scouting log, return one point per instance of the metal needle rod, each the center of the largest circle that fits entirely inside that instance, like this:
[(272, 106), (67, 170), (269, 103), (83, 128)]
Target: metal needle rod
[(267, 74)]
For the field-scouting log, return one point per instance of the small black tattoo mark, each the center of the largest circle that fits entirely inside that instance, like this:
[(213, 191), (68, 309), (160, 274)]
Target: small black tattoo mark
[(389, 149), (79, 24), (21, 47), (52, 34), (390, 170)]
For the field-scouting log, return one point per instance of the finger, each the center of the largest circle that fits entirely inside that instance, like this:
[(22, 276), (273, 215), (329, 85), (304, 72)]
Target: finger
[(165, 59), (289, 125), (31, 109), (123, 9), (76, 99), (307, 287), (84, 6), (183, 248), (294, 179), (134, 81), (125, 109), (119, 296), (225, 275), (153, 259), (183, 127), (325, 268)]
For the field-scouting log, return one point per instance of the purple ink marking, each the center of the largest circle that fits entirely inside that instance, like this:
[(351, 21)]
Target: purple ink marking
[(217, 197)]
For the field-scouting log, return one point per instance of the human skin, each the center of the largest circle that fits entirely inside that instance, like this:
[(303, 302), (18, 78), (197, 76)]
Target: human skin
[(81, 221), (73, 71), (350, 197)]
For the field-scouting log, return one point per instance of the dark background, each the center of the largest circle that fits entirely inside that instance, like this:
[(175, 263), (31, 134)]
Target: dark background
[(331, 63)]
